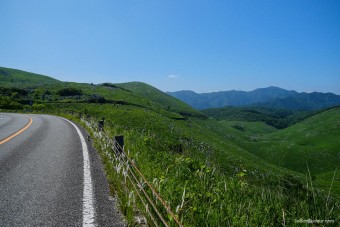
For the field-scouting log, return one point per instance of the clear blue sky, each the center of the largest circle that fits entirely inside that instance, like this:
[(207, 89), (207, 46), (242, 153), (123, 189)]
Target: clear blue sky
[(177, 44)]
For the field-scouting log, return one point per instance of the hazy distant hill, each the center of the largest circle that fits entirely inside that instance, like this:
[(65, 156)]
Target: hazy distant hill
[(304, 101), (271, 97)]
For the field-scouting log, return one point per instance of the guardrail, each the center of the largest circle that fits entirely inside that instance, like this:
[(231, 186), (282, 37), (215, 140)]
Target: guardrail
[(154, 205)]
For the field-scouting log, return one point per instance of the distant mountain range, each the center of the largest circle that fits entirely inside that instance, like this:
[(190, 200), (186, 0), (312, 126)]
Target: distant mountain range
[(270, 97)]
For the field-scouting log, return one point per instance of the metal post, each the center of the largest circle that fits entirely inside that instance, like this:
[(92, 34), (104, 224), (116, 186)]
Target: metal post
[(101, 125), (119, 143)]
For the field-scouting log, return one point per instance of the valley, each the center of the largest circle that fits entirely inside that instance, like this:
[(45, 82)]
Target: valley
[(310, 146)]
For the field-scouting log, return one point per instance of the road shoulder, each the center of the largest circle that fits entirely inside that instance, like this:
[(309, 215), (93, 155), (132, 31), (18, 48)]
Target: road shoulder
[(106, 207)]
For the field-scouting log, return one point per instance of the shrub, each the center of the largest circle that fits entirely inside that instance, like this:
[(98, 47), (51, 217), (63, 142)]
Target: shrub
[(69, 92)]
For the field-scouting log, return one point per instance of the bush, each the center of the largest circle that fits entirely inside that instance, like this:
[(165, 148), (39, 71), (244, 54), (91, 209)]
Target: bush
[(97, 99), (38, 106), (238, 127), (6, 103), (69, 92)]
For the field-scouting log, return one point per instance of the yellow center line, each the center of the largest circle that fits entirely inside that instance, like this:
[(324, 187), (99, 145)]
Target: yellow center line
[(18, 132)]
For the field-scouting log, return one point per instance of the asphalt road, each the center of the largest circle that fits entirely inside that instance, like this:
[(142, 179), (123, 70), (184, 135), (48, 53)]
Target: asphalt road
[(43, 175)]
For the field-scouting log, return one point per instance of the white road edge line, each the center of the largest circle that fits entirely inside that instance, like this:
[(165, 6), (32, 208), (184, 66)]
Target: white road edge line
[(88, 209)]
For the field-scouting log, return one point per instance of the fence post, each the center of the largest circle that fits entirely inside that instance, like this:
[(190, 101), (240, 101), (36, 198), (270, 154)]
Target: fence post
[(101, 125), (119, 143)]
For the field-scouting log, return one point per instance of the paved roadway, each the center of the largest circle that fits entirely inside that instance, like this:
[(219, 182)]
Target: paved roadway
[(43, 178)]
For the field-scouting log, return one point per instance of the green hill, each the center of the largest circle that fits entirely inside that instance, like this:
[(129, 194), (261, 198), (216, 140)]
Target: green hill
[(313, 142), (164, 100), (211, 171), (278, 118), (18, 78)]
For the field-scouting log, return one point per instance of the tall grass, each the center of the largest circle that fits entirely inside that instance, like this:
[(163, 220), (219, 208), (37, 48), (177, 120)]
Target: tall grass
[(202, 195)]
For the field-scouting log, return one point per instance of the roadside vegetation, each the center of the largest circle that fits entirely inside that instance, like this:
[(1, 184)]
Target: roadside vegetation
[(211, 173)]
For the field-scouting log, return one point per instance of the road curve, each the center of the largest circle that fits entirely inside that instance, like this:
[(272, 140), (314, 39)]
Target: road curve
[(42, 172)]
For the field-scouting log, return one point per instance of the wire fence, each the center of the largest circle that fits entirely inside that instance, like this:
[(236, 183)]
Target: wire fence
[(154, 205)]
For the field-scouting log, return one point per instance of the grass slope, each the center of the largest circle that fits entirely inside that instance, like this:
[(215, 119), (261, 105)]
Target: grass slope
[(313, 142), (164, 100), (18, 78), (278, 118)]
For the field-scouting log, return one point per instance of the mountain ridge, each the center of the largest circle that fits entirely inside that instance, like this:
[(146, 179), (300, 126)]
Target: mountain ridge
[(270, 97)]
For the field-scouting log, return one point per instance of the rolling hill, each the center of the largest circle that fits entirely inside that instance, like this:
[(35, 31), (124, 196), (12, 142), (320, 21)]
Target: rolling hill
[(309, 147), (18, 78), (165, 101), (278, 118), (314, 140)]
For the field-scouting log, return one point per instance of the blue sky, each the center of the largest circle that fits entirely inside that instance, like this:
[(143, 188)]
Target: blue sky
[(177, 44)]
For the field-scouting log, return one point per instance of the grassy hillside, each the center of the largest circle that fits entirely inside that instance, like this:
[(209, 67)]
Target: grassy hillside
[(278, 118), (312, 143), (206, 169), (18, 78), (244, 128), (315, 140), (166, 101)]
